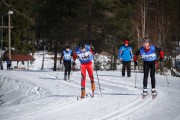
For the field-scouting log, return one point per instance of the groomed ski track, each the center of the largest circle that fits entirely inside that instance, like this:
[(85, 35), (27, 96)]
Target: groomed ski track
[(111, 87)]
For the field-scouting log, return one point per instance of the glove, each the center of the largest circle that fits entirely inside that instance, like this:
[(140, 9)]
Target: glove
[(160, 59), (135, 63), (96, 54), (73, 63), (120, 59)]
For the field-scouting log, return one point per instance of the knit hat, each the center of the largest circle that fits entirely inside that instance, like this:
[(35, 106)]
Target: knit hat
[(67, 46), (126, 41), (82, 44)]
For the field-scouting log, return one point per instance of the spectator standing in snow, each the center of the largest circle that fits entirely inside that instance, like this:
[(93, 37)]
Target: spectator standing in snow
[(149, 57), (85, 55), (125, 55), (66, 55), (8, 64)]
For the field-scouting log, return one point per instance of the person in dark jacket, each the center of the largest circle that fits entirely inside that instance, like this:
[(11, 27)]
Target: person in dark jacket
[(148, 53), (125, 55), (66, 55), (8, 64)]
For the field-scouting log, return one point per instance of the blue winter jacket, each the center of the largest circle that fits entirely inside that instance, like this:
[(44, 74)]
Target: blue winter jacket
[(125, 53)]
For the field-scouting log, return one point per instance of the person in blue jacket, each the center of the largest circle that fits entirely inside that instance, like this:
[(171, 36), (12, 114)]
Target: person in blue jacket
[(125, 55), (66, 55)]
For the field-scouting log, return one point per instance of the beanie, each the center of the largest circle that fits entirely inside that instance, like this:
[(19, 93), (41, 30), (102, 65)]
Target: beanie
[(126, 41)]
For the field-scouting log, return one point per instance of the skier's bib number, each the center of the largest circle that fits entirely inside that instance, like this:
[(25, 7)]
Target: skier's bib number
[(67, 57), (85, 56), (149, 56)]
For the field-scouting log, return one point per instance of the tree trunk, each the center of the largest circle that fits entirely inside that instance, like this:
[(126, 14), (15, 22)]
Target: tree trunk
[(55, 56)]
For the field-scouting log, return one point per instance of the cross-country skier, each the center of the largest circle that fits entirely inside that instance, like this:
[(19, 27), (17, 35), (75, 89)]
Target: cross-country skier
[(149, 57), (85, 55), (66, 55), (125, 55)]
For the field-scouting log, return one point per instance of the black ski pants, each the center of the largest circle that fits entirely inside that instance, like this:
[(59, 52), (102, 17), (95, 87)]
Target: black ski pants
[(126, 64), (149, 66), (67, 65), (8, 66)]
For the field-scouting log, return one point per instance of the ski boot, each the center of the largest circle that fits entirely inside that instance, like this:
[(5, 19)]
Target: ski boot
[(145, 93), (68, 77), (65, 78), (154, 93), (83, 93), (93, 88)]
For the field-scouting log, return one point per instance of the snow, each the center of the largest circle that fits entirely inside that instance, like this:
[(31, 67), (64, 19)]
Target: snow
[(43, 95)]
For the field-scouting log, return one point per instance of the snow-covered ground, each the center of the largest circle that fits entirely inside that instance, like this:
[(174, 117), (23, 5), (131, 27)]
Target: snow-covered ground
[(44, 95)]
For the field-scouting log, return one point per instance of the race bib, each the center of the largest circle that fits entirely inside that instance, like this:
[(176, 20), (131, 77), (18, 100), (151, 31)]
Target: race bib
[(67, 57), (85, 56), (149, 56)]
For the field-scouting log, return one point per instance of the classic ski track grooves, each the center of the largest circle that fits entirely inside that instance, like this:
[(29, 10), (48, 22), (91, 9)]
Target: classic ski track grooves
[(122, 84), (127, 109), (112, 85)]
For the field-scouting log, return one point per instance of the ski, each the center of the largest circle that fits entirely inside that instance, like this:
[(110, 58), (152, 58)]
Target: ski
[(88, 95), (67, 80), (92, 95), (144, 96), (154, 96), (79, 97)]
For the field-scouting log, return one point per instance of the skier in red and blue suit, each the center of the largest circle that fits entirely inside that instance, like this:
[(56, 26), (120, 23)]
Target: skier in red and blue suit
[(85, 55), (149, 57)]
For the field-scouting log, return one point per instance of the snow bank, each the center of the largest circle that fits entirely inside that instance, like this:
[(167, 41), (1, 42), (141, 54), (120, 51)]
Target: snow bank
[(17, 91)]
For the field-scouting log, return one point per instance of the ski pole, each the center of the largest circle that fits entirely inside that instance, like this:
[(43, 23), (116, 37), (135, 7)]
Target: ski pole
[(135, 76), (58, 72), (57, 75), (98, 82), (162, 64), (73, 67), (167, 79)]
